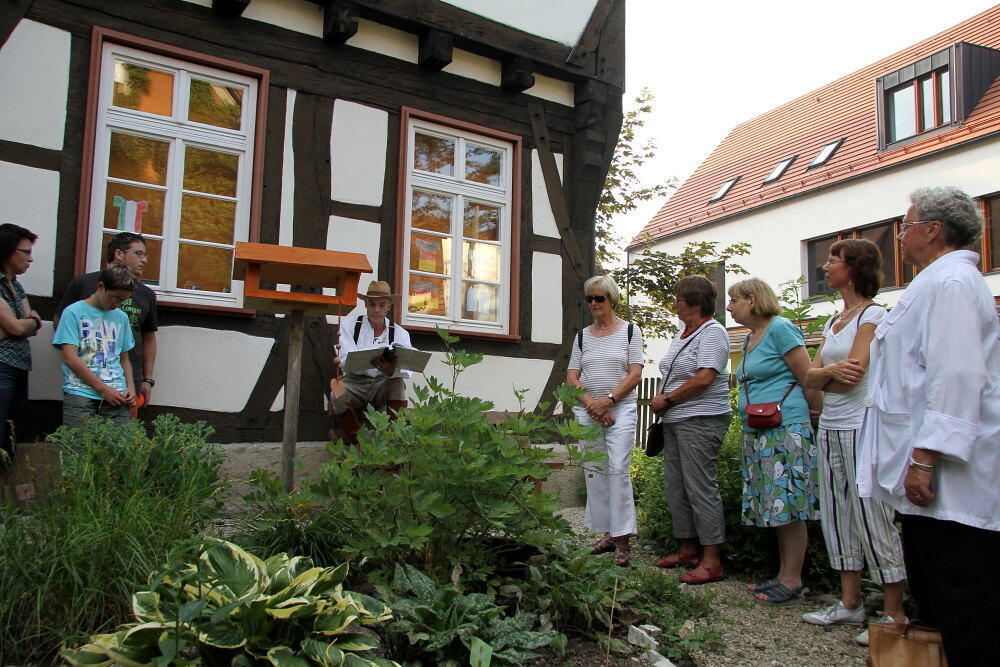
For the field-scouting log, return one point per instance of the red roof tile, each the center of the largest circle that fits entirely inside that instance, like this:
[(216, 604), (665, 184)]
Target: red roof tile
[(843, 108)]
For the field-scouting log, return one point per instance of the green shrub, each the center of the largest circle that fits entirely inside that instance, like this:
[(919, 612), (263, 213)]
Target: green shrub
[(219, 605), (749, 550), (122, 502)]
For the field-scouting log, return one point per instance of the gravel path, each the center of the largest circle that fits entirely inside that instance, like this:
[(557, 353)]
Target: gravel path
[(754, 634)]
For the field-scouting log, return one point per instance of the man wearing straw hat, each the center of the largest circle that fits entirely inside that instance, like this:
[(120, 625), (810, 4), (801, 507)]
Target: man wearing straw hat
[(382, 385)]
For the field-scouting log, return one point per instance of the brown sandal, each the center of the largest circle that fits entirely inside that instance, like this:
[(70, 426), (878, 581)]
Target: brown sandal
[(622, 555), (602, 546), (673, 560), (694, 578)]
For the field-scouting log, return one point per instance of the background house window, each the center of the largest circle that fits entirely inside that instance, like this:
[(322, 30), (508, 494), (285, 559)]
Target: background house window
[(826, 153), (817, 251), (457, 249), (919, 105), (882, 234), (779, 170), (723, 190), (173, 161)]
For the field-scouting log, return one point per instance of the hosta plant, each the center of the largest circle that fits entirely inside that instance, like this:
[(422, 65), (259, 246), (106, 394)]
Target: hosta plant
[(225, 606)]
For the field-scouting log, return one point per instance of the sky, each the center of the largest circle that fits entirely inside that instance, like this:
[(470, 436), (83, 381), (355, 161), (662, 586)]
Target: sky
[(713, 64)]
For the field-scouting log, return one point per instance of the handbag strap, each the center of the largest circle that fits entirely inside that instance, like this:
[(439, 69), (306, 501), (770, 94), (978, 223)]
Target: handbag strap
[(670, 369), (745, 382)]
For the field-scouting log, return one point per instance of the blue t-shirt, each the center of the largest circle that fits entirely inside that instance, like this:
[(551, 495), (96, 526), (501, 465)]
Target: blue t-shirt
[(768, 375), (100, 336)]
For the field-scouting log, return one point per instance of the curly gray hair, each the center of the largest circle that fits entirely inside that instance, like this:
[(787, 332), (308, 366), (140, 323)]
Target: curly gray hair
[(954, 209)]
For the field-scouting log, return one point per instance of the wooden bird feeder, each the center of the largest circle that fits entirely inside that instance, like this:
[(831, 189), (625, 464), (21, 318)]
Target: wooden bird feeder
[(258, 263)]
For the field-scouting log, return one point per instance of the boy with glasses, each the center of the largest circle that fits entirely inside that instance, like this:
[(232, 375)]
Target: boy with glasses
[(94, 336), (127, 249)]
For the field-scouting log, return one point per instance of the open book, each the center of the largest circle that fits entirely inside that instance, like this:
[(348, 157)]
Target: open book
[(406, 358)]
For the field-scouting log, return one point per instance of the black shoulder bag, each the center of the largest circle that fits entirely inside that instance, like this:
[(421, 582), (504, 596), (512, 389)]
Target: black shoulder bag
[(654, 432)]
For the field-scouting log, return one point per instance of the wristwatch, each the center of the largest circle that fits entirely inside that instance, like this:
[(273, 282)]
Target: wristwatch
[(150, 381), (612, 397)]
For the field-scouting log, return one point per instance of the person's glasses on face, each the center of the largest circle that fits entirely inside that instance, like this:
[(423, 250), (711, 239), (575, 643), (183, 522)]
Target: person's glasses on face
[(599, 298), (903, 226), (141, 254), (26, 251), (680, 299), (830, 261), (736, 299), (117, 300)]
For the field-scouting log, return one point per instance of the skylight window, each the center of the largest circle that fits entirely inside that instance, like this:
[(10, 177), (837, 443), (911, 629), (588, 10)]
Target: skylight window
[(723, 190), (779, 169), (826, 153)]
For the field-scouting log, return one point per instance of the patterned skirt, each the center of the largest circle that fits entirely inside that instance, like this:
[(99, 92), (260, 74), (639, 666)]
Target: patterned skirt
[(780, 476)]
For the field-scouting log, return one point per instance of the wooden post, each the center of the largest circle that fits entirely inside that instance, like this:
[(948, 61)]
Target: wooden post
[(293, 382)]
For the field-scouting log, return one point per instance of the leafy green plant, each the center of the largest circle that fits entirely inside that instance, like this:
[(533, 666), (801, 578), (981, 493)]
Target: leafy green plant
[(225, 606), (456, 628), (798, 309), (122, 500)]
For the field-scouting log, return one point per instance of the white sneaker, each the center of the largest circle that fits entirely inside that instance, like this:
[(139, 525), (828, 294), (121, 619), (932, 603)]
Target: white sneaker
[(881, 617), (836, 613)]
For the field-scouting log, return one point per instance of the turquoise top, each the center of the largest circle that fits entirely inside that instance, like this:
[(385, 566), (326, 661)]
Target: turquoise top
[(769, 376)]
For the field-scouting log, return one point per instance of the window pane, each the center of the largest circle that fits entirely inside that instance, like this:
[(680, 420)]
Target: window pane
[(431, 212), (207, 219), (130, 208), (434, 154), (902, 109), (480, 302), (143, 89), (927, 102), (151, 271), (816, 253), (215, 104), (138, 159), (994, 222), (483, 164), (482, 222), (480, 261), (210, 171), (430, 253), (204, 268), (428, 295), (883, 237), (945, 97)]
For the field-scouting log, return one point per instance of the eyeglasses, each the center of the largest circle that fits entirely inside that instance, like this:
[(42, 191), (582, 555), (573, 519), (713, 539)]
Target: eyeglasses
[(599, 298), (903, 226), (833, 260), (27, 253), (141, 254), (680, 299), (737, 298), (117, 300)]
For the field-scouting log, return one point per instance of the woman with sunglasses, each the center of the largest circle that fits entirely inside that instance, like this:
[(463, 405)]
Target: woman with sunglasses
[(858, 531), (606, 363), (18, 322)]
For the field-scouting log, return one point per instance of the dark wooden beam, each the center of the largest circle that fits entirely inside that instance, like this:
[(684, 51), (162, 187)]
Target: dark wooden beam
[(584, 51), (11, 13), (516, 75), (230, 7), (340, 21), (436, 48)]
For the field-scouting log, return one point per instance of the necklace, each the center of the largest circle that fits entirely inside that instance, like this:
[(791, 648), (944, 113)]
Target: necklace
[(843, 316), (690, 330), (614, 321)]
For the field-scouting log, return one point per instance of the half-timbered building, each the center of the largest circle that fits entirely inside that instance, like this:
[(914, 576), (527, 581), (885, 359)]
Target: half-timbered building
[(461, 145)]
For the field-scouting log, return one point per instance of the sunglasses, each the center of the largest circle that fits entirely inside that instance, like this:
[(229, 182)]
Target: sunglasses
[(599, 298)]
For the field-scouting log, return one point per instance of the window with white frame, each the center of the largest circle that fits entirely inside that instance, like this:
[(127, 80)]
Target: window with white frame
[(457, 235), (173, 156)]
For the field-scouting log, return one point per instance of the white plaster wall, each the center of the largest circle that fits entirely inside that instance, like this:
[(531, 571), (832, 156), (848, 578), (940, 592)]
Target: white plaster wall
[(348, 235), (546, 298), (543, 222), (45, 380), (553, 90), (388, 41), (559, 20), (286, 210), (357, 153), (777, 234), (472, 66), (29, 197), (297, 15), (492, 380), (207, 369), (34, 76)]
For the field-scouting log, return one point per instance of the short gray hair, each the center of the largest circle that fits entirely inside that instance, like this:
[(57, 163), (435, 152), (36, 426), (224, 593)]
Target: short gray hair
[(604, 285), (955, 210)]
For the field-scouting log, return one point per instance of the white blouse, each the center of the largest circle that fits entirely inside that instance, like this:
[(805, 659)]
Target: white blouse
[(935, 384)]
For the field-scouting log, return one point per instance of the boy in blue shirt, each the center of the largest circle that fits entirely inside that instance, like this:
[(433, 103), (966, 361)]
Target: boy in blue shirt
[(95, 337)]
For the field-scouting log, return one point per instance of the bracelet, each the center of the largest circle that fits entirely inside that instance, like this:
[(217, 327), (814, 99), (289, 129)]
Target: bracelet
[(926, 467), (38, 322)]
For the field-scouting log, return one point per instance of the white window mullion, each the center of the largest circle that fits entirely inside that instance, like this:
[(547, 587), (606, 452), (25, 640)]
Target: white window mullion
[(172, 216)]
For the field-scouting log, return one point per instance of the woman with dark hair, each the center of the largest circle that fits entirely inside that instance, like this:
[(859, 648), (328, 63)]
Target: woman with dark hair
[(694, 408), (17, 323), (858, 531)]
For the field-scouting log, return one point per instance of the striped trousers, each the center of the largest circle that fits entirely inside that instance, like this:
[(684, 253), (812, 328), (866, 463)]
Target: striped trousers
[(857, 530)]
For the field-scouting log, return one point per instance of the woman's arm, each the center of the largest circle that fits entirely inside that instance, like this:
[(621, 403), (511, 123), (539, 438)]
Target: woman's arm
[(694, 385), (844, 376), (797, 360), (12, 326)]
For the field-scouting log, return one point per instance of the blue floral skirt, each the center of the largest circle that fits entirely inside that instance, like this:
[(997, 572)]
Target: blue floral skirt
[(780, 476)]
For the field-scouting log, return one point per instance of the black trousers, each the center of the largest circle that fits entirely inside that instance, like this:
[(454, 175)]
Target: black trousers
[(954, 576)]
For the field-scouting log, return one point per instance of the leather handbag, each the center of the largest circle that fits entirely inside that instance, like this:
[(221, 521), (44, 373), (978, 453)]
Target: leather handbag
[(904, 645), (761, 416), (654, 432)]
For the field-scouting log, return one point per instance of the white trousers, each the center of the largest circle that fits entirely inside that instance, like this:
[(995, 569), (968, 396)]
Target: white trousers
[(610, 504)]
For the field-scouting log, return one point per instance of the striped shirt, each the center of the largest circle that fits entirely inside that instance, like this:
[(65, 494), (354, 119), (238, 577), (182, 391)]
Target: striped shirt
[(709, 349), (605, 361)]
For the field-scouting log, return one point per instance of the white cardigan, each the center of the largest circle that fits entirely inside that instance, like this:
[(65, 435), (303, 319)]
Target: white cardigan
[(934, 383)]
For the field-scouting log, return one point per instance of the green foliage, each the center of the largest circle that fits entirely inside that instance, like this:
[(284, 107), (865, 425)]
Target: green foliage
[(651, 276), (456, 628), (799, 310), (124, 499), (220, 605)]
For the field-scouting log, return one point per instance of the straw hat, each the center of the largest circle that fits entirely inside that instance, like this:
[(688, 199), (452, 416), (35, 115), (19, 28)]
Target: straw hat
[(379, 289)]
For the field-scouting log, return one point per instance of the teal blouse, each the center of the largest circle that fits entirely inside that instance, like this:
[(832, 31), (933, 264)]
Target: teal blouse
[(766, 376)]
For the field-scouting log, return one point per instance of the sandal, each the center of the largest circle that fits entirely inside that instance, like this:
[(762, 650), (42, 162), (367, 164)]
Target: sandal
[(673, 560), (602, 546), (622, 556), (780, 595), (710, 574), (763, 586)]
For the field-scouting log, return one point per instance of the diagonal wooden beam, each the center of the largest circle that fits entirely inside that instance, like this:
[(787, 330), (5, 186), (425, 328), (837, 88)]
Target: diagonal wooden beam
[(230, 7), (590, 38)]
